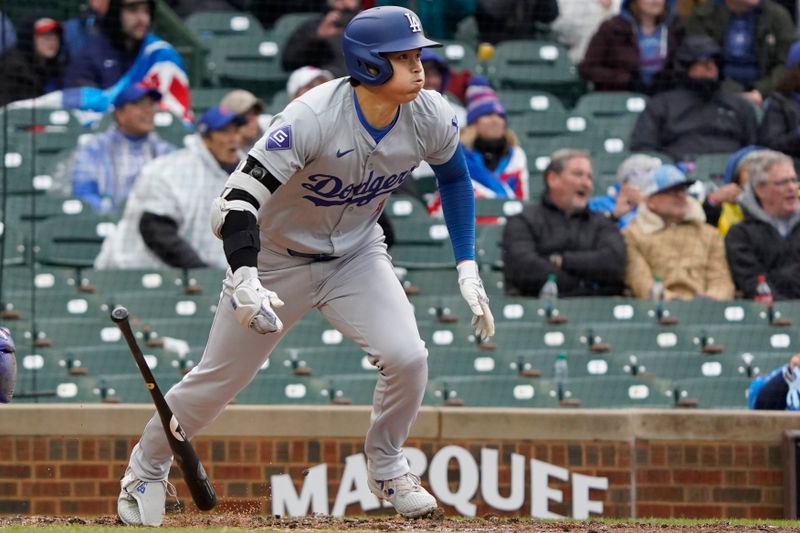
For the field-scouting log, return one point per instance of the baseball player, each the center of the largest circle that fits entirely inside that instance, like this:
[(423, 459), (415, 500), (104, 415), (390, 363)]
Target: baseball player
[(8, 366), (298, 224)]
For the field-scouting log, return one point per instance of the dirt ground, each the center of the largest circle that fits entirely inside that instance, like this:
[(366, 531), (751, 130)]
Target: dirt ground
[(391, 523)]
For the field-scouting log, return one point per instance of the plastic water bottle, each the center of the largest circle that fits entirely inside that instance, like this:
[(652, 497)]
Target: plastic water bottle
[(549, 294), (764, 295), (657, 296), (560, 372)]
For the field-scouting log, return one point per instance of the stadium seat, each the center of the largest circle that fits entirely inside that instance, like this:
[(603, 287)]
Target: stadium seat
[(704, 311), (192, 330), (488, 245), (62, 303), (459, 55), (446, 362), (720, 393), (71, 241), (594, 310), (493, 391), (157, 304), (737, 339), (271, 390), (709, 167), (286, 24), (206, 97), (619, 392), (683, 365), (249, 62), (608, 108), (209, 25), (33, 387), (521, 101), (319, 361), (580, 363), (112, 360), (130, 387), (423, 256), (532, 64), (532, 126), (144, 280), (413, 230), (65, 332)]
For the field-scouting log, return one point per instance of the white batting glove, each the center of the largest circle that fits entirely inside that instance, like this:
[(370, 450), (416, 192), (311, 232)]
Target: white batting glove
[(473, 292), (252, 303), (792, 377)]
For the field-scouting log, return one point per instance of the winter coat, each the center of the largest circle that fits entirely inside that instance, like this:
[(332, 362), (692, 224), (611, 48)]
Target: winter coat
[(180, 186), (612, 60), (755, 247), (683, 124), (780, 126), (774, 35), (503, 20), (305, 48), (577, 22), (689, 257), (591, 247), (24, 75), (98, 64)]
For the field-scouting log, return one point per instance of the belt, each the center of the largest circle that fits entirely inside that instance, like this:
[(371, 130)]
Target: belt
[(315, 257)]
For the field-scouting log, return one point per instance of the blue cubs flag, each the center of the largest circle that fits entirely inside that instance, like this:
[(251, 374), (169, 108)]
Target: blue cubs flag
[(157, 65)]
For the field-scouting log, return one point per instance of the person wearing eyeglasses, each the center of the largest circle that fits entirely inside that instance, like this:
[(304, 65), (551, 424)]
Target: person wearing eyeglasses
[(767, 241)]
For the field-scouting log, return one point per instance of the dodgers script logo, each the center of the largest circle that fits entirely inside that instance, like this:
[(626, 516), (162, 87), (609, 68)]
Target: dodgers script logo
[(329, 190)]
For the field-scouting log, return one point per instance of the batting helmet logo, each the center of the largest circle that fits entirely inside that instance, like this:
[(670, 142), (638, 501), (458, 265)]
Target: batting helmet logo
[(378, 31)]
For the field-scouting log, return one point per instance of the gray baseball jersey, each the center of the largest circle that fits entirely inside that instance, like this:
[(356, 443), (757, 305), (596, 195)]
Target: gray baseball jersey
[(335, 178)]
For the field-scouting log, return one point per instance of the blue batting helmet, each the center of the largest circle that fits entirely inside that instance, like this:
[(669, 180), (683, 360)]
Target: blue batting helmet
[(377, 31), (8, 366)]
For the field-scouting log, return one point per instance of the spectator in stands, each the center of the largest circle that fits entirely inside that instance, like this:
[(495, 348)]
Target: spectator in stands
[(720, 206), (767, 241), (437, 77), (620, 204), (8, 36), (184, 8), (440, 19), (78, 30), (502, 20), (754, 35), (559, 235), (304, 79), (696, 117), (33, 67), (780, 125), (633, 51), (577, 22), (670, 238), (268, 13), (779, 390), (249, 106), (166, 219), (318, 41), (497, 164), (110, 53), (105, 168)]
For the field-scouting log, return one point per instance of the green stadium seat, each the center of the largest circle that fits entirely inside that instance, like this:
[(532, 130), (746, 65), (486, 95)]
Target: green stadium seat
[(493, 391), (145, 306), (608, 109), (423, 256), (206, 97), (71, 240), (192, 330), (521, 101), (65, 332), (280, 390), (319, 361), (459, 55), (703, 311), (580, 363), (131, 388), (34, 387), (15, 246), (531, 126), (111, 360), (720, 393), (209, 25), (594, 310), (62, 303), (710, 167), (488, 244), (287, 23), (249, 62), (165, 280), (619, 392), (738, 339), (446, 362), (683, 365), (532, 64), (412, 230), (497, 207)]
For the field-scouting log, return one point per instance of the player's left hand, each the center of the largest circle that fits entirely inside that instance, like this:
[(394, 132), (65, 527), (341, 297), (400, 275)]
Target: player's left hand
[(792, 377), (473, 292)]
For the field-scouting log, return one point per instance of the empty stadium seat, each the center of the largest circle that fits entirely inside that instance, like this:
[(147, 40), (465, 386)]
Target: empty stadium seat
[(249, 62), (319, 361), (519, 101), (620, 392), (720, 393), (71, 241), (209, 25), (493, 391), (271, 390)]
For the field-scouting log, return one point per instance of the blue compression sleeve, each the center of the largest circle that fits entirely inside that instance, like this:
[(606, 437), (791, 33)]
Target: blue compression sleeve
[(458, 204)]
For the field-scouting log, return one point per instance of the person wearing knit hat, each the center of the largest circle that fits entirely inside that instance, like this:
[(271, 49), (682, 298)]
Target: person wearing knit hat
[(497, 164), (720, 205), (623, 197), (780, 125)]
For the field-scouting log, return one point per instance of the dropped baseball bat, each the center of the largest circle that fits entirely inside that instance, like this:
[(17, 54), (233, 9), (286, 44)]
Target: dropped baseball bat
[(193, 472)]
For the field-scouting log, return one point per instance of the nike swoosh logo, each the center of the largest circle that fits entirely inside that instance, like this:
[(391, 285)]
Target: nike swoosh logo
[(339, 153)]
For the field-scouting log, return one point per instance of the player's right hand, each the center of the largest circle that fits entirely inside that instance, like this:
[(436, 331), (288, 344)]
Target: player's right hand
[(252, 303)]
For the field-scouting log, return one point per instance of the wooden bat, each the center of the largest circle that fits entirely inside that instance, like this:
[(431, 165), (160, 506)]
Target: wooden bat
[(193, 472)]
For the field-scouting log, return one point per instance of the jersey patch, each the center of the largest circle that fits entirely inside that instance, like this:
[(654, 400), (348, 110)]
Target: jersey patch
[(280, 139)]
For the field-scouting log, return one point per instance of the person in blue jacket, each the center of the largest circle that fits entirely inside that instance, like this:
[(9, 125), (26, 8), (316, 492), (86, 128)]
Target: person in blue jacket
[(779, 390)]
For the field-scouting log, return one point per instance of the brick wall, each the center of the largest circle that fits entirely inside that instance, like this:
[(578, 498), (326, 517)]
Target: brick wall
[(676, 474)]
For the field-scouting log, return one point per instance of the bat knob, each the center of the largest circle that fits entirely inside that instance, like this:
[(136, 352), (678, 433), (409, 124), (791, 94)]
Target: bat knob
[(119, 314)]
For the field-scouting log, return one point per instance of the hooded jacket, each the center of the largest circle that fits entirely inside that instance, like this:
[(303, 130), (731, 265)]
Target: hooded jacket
[(591, 248), (775, 33), (780, 125), (689, 257), (24, 75), (613, 61), (755, 247), (104, 59)]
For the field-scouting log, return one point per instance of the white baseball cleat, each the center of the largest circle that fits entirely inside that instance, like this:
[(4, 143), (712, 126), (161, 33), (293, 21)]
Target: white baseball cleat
[(405, 493), (141, 503)]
